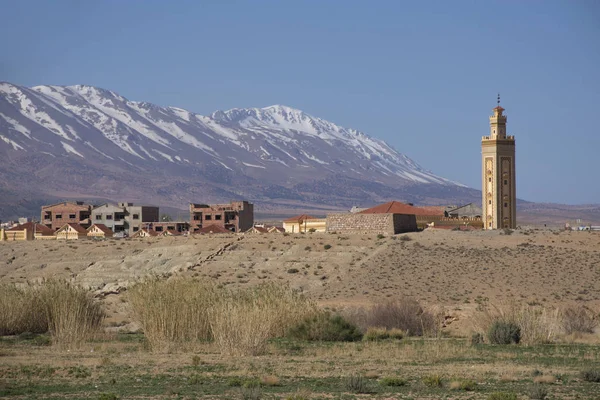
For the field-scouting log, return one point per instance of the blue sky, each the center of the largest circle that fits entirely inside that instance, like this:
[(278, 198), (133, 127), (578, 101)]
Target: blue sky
[(421, 75)]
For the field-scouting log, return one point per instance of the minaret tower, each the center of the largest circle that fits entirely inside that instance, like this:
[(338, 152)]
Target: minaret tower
[(499, 195)]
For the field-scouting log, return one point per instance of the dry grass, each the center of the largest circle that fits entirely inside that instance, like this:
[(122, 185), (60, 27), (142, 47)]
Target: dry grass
[(243, 321), (538, 324), (174, 311), (74, 316), (21, 310), (404, 314), (68, 312)]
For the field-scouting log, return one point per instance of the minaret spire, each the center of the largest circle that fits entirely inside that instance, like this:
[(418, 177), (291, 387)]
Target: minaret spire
[(498, 99)]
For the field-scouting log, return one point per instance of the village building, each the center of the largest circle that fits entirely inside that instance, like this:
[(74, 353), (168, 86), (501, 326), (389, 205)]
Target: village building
[(144, 233), (468, 211), (388, 219), (498, 188), (99, 231), (71, 232), (26, 231), (261, 228), (55, 216), (237, 216), (212, 229), (305, 223), (124, 218), (173, 226)]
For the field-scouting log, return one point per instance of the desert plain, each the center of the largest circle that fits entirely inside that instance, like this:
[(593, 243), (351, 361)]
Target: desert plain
[(461, 274)]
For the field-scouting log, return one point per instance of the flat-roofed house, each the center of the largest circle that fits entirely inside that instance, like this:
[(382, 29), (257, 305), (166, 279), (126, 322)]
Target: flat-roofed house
[(55, 216), (237, 216), (71, 232)]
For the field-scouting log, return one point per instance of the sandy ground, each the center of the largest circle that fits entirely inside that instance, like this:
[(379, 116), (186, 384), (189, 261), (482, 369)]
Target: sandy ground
[(456, 270)]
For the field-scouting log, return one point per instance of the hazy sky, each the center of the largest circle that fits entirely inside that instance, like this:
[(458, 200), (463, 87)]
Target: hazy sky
[(421, 75)]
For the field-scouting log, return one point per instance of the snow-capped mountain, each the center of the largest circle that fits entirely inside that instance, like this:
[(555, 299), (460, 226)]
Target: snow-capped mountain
[(59, 138)]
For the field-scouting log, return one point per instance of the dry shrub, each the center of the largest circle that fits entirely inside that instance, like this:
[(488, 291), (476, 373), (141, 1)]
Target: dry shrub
[(68, 312), (537, 324), (578, 320), (243, 321), (405, 314), (73, 315), (21, 310), (544, 379), (173, 311)]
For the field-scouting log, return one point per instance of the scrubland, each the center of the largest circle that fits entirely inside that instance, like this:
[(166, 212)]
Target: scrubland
[(435, 314)]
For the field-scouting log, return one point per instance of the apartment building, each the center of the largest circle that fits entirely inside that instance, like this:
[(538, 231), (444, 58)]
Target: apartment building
[(237, 216), (124, 218), (55, 216)]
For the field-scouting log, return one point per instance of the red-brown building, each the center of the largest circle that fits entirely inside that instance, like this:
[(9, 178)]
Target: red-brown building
[(55, 216), (237, 216)]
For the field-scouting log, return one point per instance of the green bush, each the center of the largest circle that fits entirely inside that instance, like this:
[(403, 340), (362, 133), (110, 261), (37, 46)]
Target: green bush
[(327, 246), (250, 393), (504, 332), (380, 236), (591, 375), (392, 381), (108, 396), (357, 384), (466, 384), (502, 396), (326, 327), (433, 380), (537, 392)]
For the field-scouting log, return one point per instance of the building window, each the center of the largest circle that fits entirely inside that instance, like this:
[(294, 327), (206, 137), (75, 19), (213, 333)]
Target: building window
[(505, 204), (136, 216), (72, 216), (135, 229), (218, 217), (489, 179), (158, 228), (98, 217), (58, 216), (108, 216), (208, 217), (489, 202)]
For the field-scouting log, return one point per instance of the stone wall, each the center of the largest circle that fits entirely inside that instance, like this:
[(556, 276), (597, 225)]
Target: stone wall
[(388, 224)]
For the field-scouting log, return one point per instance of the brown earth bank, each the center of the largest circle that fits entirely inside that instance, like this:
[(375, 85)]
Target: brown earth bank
[(459, 271)]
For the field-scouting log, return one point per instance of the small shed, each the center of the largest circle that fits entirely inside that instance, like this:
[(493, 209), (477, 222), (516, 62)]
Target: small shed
[(71, 232), (213, 229), (99, 231), (144, 233), (257, 229)]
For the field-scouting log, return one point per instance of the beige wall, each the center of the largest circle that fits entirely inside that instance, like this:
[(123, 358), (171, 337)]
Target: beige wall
[(319, 225), (13, 236), (388, 224)]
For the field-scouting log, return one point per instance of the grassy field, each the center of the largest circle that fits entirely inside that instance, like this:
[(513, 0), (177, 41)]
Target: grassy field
[(121, 366)]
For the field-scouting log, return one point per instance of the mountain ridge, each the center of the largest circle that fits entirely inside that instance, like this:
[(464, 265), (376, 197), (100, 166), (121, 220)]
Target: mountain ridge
[(82, 139)]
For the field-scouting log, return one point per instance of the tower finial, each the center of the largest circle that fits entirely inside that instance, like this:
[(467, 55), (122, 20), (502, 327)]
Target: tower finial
[(498, 99)]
